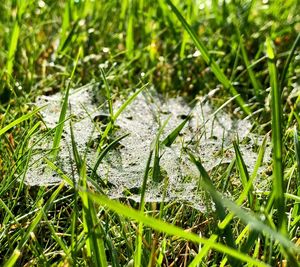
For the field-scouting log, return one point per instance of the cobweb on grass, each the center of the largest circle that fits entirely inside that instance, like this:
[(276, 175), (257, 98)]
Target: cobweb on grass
[(209, 137)]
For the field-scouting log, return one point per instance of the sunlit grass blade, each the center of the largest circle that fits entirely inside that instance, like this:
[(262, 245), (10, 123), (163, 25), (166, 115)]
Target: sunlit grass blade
[(220, 210), (94, 233), (209, 60), (244, 175), (249, 218), (109, 147), (63, 112), (109, 126), (139, 238), (19, 120), (278, 182), (21, 8), (35, 222), (169, 140), (249, 184), (130, 30), (203, 252), (168, 228), (129, 100), (11, 262), (108, 94)]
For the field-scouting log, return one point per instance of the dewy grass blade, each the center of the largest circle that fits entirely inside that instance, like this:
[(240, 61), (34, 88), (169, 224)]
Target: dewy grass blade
[(109, 126), (208, 59), (278, 183), (139, 238)]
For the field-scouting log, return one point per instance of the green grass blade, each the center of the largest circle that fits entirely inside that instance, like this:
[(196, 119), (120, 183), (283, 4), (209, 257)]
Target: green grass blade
[(109, 126), (13, 259), (169, 140), (128, 101), (255, 82), (244, 175), (249, 185), (156, 177), (168, 228), (220, 210), (94, 241), (19, 120), (278, 183), (208, 59), (105, 151), (63, 112), (297, 152), (248, 218), (139, 238), (289, 59), (130, 30), (202, 253), (108, 94), (34, 224)]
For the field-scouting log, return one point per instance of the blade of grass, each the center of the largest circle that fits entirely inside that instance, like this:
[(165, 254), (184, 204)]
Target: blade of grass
[(105, 151), (203, 252), (289, 59), (220, 210), (255, 82), (108, 94), (167, 228), (278, 182), (11, 262), (169, 140), (35, 222), (63, 112), (248, 218), (19, 120), (139, 239), (208, 59), (244, 175), (95, 242), (21, 7), (249, 185), (116, 115), (130, 30)]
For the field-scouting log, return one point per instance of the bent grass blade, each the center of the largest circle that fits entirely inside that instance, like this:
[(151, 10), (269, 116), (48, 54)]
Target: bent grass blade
[(208, 59), (167, 228)]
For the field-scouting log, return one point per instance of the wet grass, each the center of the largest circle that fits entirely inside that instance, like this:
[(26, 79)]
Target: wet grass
[(248, 50)]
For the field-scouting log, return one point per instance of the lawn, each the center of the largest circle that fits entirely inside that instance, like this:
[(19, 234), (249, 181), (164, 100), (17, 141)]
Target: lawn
[(240, 58)]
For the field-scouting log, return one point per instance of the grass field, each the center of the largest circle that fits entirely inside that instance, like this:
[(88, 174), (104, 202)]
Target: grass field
[(248, 50)]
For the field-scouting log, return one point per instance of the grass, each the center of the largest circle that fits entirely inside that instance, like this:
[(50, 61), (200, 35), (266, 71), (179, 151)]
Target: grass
[(248, 50)]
